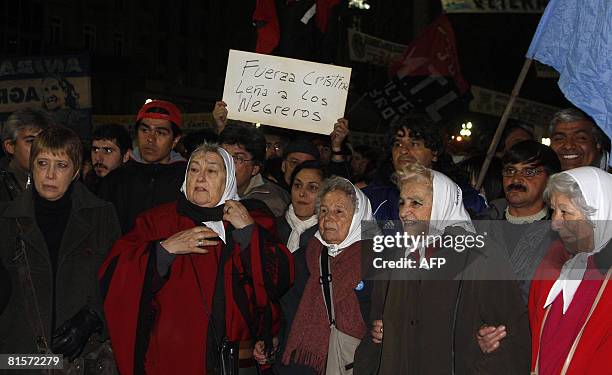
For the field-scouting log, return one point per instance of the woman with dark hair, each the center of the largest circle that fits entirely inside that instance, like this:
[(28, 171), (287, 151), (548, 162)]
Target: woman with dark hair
[(195, 281), (57, 234), (295, 229)]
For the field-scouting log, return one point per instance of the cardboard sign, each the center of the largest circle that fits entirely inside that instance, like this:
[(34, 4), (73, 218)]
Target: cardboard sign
[(286, 93)]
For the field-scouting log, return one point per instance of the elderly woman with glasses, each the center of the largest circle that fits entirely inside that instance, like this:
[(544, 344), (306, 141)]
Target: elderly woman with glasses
[(197, 280), (570, 303)]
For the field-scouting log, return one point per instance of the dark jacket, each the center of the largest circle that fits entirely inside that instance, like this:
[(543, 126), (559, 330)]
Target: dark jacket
[(136, 187), (291, 300), (430, 320), (524, 244), (10, 186), (91, 230)]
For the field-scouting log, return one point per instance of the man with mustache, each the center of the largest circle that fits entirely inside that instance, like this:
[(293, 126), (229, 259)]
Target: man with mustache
[(578, 141), (155, 173), (111, 147), (519, 223)]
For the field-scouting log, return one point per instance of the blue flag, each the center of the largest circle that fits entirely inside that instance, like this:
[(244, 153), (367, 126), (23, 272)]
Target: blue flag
[(575, 38)]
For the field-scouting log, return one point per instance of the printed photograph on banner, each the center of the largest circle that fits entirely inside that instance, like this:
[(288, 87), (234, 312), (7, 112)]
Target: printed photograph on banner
[(287, 93), (61, 85)]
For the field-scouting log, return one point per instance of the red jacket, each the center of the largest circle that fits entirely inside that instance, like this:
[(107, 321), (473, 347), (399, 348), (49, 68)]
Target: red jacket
[(594, 349), (177, 343)]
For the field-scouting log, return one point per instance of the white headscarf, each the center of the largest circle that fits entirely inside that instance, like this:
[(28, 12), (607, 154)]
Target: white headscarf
[(298, 226), (230, 191), (595, 186), (447, 209), (363, 211)]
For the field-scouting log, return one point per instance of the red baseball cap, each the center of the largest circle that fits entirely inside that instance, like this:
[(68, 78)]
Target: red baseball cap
[(173, 115)]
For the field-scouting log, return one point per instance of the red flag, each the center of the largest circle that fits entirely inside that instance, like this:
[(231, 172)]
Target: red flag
[(432, 53), (268, 30), (324, 9)]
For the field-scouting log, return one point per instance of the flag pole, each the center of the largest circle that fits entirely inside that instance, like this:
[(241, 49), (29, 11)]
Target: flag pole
[(503, 121)]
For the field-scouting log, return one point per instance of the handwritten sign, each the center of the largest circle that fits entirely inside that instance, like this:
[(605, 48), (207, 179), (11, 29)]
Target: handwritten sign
[(286, 93)]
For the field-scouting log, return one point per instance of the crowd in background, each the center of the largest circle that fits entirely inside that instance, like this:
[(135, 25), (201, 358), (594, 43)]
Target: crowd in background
[(213, 251)]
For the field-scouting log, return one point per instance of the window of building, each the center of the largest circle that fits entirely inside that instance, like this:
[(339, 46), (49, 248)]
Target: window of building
[(55, 31), (89, 37), (118, 44)]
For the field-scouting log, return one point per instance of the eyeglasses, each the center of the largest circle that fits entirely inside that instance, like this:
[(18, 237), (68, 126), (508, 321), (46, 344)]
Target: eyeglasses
[(239, 159), (525, 172)]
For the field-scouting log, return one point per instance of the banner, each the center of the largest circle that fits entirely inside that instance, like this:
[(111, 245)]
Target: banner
[(574, 37), (426, 79), (61, 85), (287, 93), (494, 103), (191, 121), (368, 49), (494, 6)]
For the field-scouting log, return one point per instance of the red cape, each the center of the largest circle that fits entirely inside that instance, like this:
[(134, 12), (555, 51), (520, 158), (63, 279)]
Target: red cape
[(178, 338), (593, 353)]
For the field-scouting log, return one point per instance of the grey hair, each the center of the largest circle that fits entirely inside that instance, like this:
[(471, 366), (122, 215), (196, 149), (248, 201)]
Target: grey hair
[(337, 183), (565, 184), (204, 148), (23, 119), (572, 115), (412, 172)]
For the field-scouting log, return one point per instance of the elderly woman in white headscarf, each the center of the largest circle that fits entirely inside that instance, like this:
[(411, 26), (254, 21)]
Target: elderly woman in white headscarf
[(329, 322), (570, 304), (425, 316), (195, 277)]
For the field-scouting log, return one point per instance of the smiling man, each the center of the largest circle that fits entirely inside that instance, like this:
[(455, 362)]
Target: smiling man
[(18, 133), (155, 173), (577, 140)]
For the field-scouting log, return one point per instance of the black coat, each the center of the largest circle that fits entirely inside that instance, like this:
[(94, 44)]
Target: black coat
[(91, 231), (428, 317), (136, 187)]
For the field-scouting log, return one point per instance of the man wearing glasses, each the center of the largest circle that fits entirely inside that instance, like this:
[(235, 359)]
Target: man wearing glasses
[(247, 145), (521, 223)]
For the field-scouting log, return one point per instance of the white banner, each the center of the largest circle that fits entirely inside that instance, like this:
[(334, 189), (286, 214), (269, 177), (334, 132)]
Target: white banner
[(494, 6), (371, 50), (287, 93), (494, 103)]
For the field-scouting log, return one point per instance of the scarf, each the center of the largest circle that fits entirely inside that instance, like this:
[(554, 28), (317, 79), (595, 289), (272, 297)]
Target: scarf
[(595, 186), (447, 210), (212, 217), (363, 211), (308, 340), (298, 226)]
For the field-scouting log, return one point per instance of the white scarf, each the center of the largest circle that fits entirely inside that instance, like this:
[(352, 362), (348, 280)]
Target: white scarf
[(230, 191), (363, 211), (447, 209), (595, 185), (298, 226)]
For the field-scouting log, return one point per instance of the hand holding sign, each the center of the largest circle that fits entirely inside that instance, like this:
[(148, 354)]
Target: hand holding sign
[(283, 92)]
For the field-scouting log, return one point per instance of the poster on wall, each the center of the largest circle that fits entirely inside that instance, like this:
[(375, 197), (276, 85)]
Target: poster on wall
[(60, 85)]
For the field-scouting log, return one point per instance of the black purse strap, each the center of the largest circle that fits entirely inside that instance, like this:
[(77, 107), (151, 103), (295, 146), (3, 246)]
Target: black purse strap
[(326, 285), (32, 310)]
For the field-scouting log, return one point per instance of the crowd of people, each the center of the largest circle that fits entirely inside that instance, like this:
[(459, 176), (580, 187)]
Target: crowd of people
[(250, 250)]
